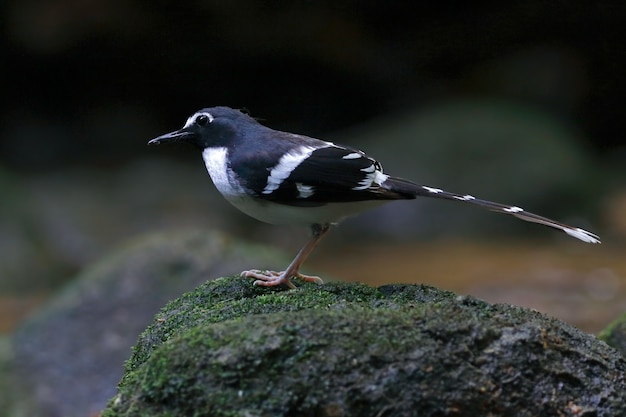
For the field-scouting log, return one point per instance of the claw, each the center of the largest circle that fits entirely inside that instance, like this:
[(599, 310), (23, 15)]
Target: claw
[(273, 278)]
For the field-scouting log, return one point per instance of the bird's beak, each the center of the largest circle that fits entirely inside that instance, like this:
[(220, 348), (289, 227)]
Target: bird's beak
[(175, 136)]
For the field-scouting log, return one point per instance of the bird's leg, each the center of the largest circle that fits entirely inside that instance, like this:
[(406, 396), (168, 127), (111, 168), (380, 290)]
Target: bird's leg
[(272, 278)]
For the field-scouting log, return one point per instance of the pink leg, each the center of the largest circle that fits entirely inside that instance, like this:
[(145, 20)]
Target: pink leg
[(272, 278)]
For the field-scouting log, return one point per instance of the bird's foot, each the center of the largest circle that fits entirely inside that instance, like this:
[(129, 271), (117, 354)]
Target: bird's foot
[(272, 278)]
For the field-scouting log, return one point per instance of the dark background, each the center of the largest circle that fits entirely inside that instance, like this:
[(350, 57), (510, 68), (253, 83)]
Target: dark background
[(517, 102), (87, 83)]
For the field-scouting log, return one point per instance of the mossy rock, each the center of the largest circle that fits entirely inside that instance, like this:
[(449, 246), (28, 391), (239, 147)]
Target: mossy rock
[(82, 336), (615, 334), (231, 349)]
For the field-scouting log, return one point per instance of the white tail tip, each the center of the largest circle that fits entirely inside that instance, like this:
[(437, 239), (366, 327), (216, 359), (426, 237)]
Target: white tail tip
[(583, 235)]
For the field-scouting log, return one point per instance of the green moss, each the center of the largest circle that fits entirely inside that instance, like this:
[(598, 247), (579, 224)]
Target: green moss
[(272, 354), (234, 297), (229, 348), (615, 334)]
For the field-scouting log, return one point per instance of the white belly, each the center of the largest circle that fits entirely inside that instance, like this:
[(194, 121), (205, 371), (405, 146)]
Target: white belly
[(273, 213)]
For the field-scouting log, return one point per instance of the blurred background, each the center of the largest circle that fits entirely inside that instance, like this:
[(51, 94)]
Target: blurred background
[(515, 102)]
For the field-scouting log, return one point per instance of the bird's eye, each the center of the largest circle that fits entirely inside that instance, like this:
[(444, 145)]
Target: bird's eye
[(203, 120)]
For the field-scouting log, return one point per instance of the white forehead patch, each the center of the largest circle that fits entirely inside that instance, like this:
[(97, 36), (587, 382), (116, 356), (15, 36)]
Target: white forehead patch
[(193, 118)]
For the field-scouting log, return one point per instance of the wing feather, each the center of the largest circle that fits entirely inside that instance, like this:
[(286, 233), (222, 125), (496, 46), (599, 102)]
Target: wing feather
[(332, 174)]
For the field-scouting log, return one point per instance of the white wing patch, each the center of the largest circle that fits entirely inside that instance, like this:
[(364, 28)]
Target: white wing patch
[(513, 209), (304, 191), (369, 169), (285, 166), (373, 176), (353, 155)]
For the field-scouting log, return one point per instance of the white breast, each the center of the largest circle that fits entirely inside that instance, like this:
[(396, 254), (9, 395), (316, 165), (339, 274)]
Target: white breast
[(215, 161)]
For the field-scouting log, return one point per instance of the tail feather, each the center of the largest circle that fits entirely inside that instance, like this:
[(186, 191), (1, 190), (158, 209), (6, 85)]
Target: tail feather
[(404, 186)]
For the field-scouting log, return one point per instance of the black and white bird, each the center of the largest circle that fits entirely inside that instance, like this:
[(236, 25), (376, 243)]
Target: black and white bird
[(289, 179)]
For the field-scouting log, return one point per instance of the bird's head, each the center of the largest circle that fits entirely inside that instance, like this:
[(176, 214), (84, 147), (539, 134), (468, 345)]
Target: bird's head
[(215, 126)]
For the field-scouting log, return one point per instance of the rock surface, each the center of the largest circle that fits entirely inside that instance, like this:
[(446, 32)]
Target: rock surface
[(69, 356), (231, 349)]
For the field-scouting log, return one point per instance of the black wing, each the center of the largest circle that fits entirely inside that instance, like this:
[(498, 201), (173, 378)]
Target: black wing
[(307, 172), (335, 174)]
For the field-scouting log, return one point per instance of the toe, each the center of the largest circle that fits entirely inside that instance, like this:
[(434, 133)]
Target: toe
[(257, 273), (310, 278), (273, 282), (268, 278)]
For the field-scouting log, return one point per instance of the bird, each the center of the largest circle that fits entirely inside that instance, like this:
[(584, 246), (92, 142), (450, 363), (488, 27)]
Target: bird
[(285, 178)]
